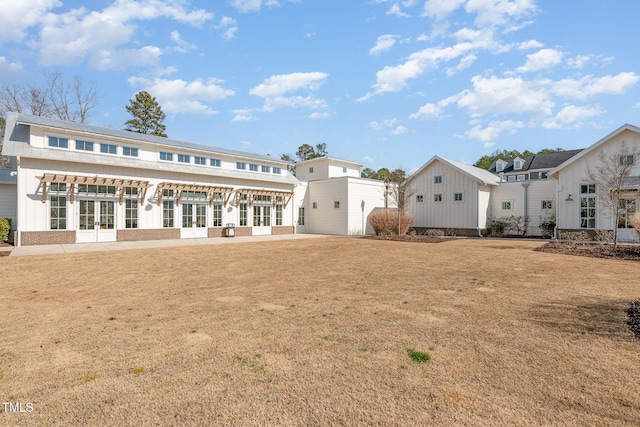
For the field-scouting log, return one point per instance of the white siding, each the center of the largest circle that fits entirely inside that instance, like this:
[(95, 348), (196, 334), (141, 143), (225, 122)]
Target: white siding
[(364, 196), (325, 218), (325, 168), (514, 192), (8, 202), (448, 213)]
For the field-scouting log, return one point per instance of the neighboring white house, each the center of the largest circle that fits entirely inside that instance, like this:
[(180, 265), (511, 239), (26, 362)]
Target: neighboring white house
[(451, 196), (334, 199), (579, 206), (80, 183), (8, 195)]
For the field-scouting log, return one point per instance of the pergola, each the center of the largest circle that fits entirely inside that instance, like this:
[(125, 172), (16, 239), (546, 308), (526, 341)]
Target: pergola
[(93, 180), (210, 190), (252, 193)]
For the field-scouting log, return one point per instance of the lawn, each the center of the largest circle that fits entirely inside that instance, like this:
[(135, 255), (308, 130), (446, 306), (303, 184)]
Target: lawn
[(320, 332)]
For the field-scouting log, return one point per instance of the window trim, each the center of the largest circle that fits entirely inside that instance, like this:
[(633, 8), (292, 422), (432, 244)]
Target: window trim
[(438, 179), (106, 148), (458, 199), (506, 205), (57, 144)]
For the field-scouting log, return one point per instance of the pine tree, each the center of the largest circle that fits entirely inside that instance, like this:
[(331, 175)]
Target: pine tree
[(147, 115)]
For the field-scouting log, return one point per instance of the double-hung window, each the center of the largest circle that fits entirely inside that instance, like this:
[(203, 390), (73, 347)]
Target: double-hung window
[(131, 207), (84, 145), (214, 162), (199, 160), (55, 141), (58, 206), (168, 211), (184, 158), (165, 155), (130, 151), (108, 148), (587, 206)]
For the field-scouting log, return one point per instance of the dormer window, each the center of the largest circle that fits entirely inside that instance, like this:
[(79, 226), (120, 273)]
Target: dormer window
[(517, 164), (500, 164)]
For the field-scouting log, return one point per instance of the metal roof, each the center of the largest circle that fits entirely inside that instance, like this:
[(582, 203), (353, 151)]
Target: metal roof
[(537, 161)]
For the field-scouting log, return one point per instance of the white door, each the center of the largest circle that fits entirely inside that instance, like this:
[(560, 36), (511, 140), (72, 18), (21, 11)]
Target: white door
[(96, 221), (301, 224), (194, 221), (626, 232), (261, 220)]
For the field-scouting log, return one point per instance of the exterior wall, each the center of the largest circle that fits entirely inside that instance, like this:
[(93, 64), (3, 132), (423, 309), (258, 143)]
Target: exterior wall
[(325, 168), (484, 206), (278, 230), (8, 194), (573, 175), (448, 213), (535, 191), (325, 218), (57, 237), (365, 195)]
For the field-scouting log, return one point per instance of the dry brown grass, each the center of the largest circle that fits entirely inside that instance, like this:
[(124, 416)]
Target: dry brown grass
[(316, 332)]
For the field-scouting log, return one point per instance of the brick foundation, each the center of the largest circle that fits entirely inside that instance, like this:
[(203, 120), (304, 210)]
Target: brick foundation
[(244, 231), (466, 232), (132, 235), (216, 232), (281, 229), (54, 237)]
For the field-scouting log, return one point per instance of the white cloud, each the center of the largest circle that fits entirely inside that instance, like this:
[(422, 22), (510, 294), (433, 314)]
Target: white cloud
[(373, 125), (399, 130), (440, 9), (383, 44), (368, 159), (244, 6), (228, 26), (178, 96), (636, 105), (9, 70), (428, 111), (572, 115), (396, 11), (590, 86), (488, 134), (495, 95), (464, 63), (542, 59), (276, 91), (74, 36), (16, 18), (500, 12), (181, 45), (530, 44), (579, 61), (319, 115), (243, 115)]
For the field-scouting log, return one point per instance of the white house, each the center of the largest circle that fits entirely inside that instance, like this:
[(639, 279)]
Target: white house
[(8, 195), (452, 196), (580, 205), (335, 199), (80, 183)]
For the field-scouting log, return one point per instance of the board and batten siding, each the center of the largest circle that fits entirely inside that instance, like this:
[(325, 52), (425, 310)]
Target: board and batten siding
[(365, 196), (8, 194), (536, 191), (325, 218), (448, 213), (573, 175)]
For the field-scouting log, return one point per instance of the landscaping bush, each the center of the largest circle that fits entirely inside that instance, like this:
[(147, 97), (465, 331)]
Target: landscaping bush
[(5, 227), (385, 222), (547, 225), (497, 227)]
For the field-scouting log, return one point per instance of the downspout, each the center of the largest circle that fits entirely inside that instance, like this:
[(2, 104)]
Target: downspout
[(18, 241), (525, 185)]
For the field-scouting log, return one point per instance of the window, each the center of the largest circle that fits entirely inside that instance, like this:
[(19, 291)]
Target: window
[(108, 148), (506, 206), (310, 170), (437, 198), (457, 197), (627, 211), (165, 155), (55, 141), (315, 205), (97, 189), (167, 193), (543, 175), (336, 204), (199, 160), (344, 170), (437, 179), (184, 158), (587, 212), (241, 165), (130, 151), (56, 187), (167, 213), (517, 164), (253, 167), (217, 210), (547, 204), (420, 198), (131, 213), (84, 145), (587, 189), (58, 209), (243, 212), (276, 170), (279, 213), (521, 177), (511, 178), (214, 162), (499, 166), (626, 160), (131, 191), (266, 169), (301, 215)]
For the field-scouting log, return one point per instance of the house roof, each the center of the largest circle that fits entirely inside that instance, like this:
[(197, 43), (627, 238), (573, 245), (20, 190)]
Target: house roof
[(46, 122), (537, 161), (554, 172), (330, 159), (480, 175)]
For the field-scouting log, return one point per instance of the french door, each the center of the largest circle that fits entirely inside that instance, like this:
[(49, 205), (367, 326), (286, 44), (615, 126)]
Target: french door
[(194, 220), (261, 220), (96, 221)]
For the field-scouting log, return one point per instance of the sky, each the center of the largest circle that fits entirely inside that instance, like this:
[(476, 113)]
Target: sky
[(387, 83)]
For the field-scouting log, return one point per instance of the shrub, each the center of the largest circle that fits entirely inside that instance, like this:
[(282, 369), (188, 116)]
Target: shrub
[(5, 227), (385, 222), (497, 227), (547, 225)]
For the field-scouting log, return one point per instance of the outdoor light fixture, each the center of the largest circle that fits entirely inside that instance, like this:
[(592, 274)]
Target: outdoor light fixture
[(386, 192), (569, 199)]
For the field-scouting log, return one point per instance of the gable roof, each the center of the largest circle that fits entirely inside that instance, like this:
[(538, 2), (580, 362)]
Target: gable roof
[(480, 175), (536, 162), (554, 172), (330, 160), (45, 122)]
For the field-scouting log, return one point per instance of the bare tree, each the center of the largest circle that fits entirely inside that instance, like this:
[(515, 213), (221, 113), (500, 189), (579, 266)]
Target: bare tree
[(612, 177), (399, 192)]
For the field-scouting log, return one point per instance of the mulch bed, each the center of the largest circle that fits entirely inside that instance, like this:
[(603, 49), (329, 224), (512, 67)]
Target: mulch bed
[(623, 252), (410, 238), (634, 318)]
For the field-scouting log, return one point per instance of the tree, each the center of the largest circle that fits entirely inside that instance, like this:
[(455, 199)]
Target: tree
[(611, 176), (400, 192), (487, 160), (4, 160), (148, 117), (57, 98)]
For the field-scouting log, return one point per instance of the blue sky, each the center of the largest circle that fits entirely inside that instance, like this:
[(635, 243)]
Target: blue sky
[(388, 83)]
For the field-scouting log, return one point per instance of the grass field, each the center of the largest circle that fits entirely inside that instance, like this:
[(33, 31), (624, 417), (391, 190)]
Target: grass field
[(317, 332)]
